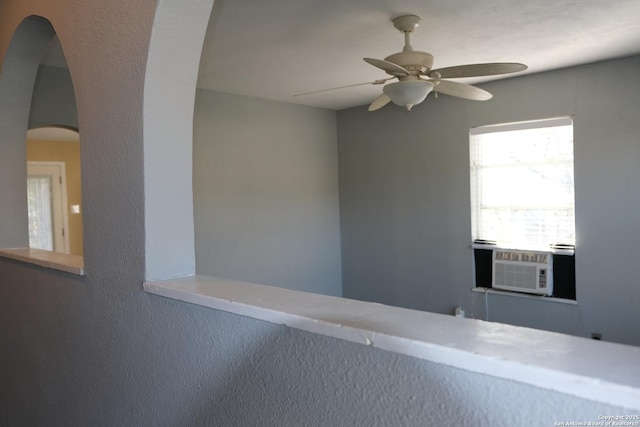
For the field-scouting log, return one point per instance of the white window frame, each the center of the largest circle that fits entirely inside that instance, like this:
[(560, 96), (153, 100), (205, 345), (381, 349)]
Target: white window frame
[(476, 182)]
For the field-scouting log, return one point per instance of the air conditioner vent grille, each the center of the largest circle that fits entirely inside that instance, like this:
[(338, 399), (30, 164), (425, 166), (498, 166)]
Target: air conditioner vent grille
[(523, 271), (522, 276)]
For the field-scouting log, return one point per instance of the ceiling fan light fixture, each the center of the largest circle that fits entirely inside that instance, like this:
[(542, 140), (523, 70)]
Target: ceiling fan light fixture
[(408, 93)]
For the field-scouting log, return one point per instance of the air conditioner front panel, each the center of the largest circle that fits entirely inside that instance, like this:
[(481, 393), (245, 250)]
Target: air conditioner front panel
[(522, 271)]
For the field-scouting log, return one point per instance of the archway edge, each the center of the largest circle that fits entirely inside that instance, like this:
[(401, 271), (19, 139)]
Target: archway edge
[(171, 76), (21, 54)]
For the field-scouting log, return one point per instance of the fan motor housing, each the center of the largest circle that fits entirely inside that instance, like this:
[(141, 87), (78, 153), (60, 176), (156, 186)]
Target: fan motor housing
[(412, 61)]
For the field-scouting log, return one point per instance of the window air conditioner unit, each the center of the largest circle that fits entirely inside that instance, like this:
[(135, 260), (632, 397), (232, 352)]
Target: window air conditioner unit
[(523, 271)]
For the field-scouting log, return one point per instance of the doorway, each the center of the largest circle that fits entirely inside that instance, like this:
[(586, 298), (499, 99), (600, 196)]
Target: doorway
[(46, 206)]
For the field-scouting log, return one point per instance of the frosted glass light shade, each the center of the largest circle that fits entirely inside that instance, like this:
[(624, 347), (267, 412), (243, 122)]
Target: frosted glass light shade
[(408, 94)]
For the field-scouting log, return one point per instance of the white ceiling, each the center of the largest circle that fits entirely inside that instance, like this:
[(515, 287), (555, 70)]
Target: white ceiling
[(278, 48)]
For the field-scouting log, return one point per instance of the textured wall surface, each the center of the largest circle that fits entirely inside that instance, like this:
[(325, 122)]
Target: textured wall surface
[(405, 201), (266, 193), (97, 350), (76, 354)]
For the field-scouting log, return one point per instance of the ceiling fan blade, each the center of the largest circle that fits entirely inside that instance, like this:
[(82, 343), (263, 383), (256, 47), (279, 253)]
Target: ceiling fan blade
[(376, 82), (476, 70), (388, 67), (461, 90), (379, 102)]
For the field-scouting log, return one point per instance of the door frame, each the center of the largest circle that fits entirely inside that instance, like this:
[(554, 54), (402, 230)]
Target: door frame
[(59, 214)]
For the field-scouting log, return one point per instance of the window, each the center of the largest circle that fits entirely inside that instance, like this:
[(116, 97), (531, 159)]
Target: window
[(522, 184)]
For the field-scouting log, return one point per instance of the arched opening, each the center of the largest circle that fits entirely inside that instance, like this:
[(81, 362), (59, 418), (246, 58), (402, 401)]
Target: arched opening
[(42, 201), (19, 70), (266, 202), (54, 196), (170, 84)]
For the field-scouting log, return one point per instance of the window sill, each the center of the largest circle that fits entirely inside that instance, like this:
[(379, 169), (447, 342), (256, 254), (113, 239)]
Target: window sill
[(599, 371), (555, 251), (72, 264), (493, 291)]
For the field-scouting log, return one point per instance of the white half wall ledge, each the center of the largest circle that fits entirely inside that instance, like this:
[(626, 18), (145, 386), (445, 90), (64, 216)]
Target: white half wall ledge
[(594, 370), (72, 264)]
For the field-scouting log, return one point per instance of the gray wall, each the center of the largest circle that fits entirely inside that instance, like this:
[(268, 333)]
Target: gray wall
[(404, 194), (266, 193), (53, 101)]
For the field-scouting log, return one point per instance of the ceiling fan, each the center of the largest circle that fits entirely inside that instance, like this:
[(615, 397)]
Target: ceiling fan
[(416, 79)]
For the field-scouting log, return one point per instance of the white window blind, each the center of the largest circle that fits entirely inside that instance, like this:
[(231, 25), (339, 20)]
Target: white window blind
[(522, 183)]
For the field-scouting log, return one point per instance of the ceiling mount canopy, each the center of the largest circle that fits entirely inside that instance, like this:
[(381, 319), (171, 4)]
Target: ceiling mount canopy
[(416, 77)]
